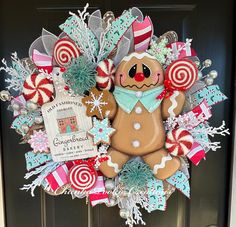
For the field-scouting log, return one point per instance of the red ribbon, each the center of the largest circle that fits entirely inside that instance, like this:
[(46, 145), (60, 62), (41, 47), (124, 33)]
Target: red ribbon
[(91, 162), (169, 90), (47, 69)]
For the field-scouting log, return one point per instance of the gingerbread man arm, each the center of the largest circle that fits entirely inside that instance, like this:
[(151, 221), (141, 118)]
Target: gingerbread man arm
[(113, 110), (173, 105)]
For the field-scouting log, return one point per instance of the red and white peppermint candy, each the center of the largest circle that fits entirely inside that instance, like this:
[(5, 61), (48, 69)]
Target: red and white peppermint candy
[(105, 74), (37, 88), (179, 142), (182, 73), (82, 177), (64, 50)]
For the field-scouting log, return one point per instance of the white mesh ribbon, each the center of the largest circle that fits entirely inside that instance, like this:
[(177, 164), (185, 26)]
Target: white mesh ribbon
[(49, 41), (95, 23), (43, 44), (41, 50)]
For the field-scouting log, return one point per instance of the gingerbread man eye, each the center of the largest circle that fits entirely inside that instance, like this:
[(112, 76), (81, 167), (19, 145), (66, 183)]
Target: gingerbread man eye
[(146, 71), (132, 71)]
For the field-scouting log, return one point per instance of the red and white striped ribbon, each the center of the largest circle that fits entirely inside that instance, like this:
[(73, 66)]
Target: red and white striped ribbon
[(98, 193), (42, 61), (196, 154), (59, 177), (143, 32)]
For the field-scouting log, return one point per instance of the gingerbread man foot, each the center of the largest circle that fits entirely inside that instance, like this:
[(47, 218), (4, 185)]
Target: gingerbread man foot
[(113, 165), (162, 164)]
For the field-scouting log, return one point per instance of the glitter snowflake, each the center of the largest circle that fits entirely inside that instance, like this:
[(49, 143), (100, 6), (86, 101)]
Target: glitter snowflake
[(159, 50), (39, 141), (97, 103), (101, 132)]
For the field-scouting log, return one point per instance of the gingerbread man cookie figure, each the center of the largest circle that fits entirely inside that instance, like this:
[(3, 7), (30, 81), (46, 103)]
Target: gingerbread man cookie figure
[(138, 118)]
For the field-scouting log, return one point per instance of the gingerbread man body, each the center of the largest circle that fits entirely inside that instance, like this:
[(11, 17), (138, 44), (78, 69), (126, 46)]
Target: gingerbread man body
[(138, 118)]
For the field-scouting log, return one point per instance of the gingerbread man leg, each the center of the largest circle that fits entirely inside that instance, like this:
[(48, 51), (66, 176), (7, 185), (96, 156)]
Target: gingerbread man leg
[(162, 164), (113, 165)]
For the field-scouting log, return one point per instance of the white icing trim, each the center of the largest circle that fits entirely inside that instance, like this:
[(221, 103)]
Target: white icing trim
[(162, 164), (174, 103), (138, 56), (113, 165)]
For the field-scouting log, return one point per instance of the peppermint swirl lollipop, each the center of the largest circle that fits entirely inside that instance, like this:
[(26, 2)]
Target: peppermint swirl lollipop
[(82, 177), (182, 73), (105, 74), (37, 89), (64, 50), (179, 142)]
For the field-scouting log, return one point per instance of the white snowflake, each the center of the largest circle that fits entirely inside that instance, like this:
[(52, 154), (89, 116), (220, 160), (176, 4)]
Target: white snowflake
[(96, 103), (103, 149), (17, 72)]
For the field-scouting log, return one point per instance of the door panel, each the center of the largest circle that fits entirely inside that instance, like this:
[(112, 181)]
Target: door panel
[(210, 25)]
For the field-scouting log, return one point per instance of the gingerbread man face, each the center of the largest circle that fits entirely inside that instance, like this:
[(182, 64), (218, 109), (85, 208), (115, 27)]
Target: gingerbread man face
[(139, 72)]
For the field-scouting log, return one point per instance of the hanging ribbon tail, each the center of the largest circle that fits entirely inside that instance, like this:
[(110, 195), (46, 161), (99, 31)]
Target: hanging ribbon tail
[(180, 181), (98, 194), (211, 94), (196, 154), (59, 177), (156, 195), (42, 61), (117, 30), (74, 27), (143, 32), (35, 160)]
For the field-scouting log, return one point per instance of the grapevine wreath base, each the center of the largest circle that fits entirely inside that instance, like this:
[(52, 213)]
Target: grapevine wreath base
[(112, 112)]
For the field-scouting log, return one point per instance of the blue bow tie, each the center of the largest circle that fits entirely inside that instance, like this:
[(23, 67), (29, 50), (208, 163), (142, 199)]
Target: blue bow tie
[(127, 99)]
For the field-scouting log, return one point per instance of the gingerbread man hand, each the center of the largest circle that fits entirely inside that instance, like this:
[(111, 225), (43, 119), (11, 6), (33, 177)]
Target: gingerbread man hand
[(173, 105)]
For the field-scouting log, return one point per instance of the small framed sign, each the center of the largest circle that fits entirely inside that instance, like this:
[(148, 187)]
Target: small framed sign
[(66, 125)]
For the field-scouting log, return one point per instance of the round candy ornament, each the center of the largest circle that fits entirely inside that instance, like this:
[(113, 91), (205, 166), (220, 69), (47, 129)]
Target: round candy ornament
[(182, 74), (105, 74), (82, 177), (64, 50), (37, 89), (179, 142)]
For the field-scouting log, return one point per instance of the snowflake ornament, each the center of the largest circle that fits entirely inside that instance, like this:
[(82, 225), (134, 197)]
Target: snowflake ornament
[(39, 142), (97, 103), (101, 132), (159, 50)]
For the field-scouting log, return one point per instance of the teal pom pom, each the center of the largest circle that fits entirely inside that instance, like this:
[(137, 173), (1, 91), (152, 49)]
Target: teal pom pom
[(135, 175), (80, 75)]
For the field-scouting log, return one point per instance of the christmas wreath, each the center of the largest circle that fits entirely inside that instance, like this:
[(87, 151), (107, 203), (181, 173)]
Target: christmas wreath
[(112, 112)]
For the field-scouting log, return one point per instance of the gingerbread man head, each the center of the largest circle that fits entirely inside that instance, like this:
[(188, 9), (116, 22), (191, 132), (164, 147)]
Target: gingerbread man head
[(139, 72)]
